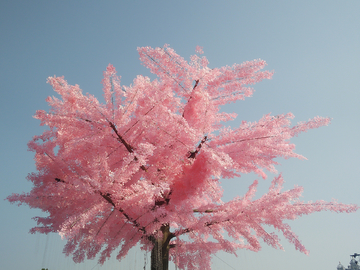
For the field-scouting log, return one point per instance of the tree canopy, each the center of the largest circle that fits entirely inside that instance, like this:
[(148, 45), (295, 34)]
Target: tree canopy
[(145, 166)]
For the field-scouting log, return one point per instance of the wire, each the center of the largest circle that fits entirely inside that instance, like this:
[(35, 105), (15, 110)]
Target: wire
[(45, 250), (224, 262), (95, 266), (145, 259)]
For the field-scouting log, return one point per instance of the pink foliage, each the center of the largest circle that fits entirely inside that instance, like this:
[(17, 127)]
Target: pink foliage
[(113, 174)]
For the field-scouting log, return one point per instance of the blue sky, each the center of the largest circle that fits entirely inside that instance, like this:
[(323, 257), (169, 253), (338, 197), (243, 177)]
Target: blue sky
[(313, 47)]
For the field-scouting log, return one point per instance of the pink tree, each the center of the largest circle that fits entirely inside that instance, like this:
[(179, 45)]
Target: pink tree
[(145, 166)]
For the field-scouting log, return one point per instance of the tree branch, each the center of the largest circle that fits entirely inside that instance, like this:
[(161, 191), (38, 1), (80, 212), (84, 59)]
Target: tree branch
[(107, 197), (192, 154), (206, 224), (128, 146), (121, 139), (196, 84), (206, 211)]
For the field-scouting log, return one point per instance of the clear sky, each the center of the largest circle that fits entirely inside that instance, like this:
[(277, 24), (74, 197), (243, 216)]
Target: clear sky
[(313, 47)]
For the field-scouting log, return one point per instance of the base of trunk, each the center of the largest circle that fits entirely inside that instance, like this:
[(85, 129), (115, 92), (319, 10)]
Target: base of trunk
[(160, 251)]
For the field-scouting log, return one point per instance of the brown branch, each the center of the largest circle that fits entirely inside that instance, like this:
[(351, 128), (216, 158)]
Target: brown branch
[(121, 139), (127, 146), (206, 224), (165, 200), (59, 180), (249, 139), (257, 138), (206, 211), (196, 84), (107, 197), (192, 154)]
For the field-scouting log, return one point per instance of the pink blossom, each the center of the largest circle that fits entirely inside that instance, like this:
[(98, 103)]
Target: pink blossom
[(151, 157)]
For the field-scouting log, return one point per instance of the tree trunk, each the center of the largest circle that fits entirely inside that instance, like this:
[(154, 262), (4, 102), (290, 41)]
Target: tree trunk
[(160, 251)]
